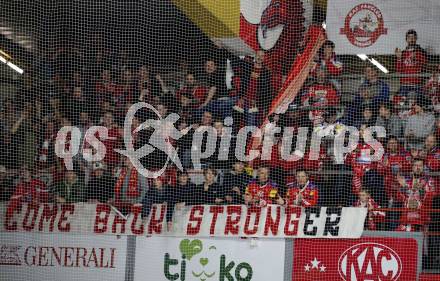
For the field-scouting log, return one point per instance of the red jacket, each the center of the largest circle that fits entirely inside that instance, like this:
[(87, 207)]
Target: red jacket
[(412, 61), (309, 192), (333, 66), (34, 191), (398, 162), (320, 95), (432, 160), (374, 216), (263, 194)]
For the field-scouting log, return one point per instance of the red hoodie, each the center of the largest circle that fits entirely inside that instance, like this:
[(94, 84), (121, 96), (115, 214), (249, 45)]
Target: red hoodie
[(412, 62)]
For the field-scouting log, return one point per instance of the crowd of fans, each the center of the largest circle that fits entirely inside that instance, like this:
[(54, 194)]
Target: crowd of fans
[(400, 191)]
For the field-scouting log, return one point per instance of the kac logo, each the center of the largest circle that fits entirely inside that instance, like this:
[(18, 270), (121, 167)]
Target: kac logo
[(370, 261), (211, 264), (364, 24)]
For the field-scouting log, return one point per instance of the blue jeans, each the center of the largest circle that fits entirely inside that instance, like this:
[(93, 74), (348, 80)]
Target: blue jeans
[(221, 107)]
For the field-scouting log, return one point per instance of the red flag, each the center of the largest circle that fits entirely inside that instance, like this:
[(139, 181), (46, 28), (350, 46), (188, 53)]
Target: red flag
[(299, 72)]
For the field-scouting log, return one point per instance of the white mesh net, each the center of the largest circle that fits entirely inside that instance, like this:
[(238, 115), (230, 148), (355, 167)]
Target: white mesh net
[(219, 140)]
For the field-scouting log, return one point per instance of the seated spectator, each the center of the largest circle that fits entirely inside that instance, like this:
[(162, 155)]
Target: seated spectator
[(6, 186), (410, 61), (130, 187), (302, 192), (419, 125), (431, 154), (391, 122), (100, 185), (416, 193), (235, 182), (432, 89), (159, 193), (262, 190), (70, 190), (321, 93), (210, 192), (374, 216)]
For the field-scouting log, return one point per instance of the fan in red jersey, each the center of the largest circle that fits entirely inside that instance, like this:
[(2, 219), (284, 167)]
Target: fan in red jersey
[(302, 192), (321, 93), (431, 154), (374, 215), (262, 191), (416, 193), (395, 160)]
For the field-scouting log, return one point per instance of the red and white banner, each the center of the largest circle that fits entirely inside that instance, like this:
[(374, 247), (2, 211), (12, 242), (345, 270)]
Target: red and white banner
[(34, 256), (378, 27), (367, 258), (199, 220)]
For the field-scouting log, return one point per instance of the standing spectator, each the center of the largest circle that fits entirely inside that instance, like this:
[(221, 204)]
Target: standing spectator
[(410, 61), (235, 183), (210, 192), (105, 89), (100, 185), (395, 160), (150, 89), (130, 187), (29, 189), (184, 193), (431, 154), (70, 190), (419, 125), (322, 93), (159, 193), (262, 190), (374, 216), (416, 193), (303, 192), (112, 142), (255, 90), (6, 186), (391, 122), (379, 89), (329, 62), (371, 93), (217, 99), (432, 89)]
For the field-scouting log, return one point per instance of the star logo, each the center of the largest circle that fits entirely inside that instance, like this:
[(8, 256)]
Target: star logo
[(315, 263), (307, 267)]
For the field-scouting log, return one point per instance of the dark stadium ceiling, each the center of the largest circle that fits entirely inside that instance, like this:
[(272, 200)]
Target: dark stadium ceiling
[(154, 29)]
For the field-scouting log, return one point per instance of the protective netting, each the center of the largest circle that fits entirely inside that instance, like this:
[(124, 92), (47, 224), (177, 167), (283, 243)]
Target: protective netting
[(263, 119)]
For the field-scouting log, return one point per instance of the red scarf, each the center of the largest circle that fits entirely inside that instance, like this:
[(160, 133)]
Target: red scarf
[(132, 183)]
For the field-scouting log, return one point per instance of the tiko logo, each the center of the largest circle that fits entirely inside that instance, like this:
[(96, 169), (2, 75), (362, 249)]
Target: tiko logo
[(204, 265)]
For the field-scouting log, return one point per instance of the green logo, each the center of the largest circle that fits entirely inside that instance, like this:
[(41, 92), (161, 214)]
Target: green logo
[(205, 267)]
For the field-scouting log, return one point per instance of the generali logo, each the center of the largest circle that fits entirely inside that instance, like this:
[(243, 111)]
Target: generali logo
[(42, 256), (369, 261)]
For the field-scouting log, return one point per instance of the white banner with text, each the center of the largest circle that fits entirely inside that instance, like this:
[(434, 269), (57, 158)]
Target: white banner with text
[(198, 221), (174, 258), (34, 256), (378, 27)]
